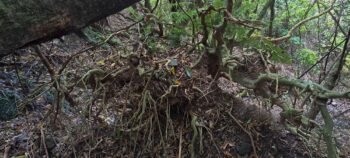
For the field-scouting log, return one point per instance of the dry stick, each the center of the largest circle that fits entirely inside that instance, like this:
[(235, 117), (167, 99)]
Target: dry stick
[(96, 145), (128, 97), (143, 93), (43, 140), (46, 62), (158, 122), (212, 138), (247, 132), (7, 150), (203, 95), (180, 145), (55, 82), (65, 64), (32, 96), (195, 133), (53, 76), (342, 113), (25, 88)]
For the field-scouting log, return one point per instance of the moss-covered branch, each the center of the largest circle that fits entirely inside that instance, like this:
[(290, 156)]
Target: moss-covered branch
[(316, 89)]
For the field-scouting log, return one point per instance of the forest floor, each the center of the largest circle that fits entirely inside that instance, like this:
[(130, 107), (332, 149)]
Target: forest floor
[(143, 105)]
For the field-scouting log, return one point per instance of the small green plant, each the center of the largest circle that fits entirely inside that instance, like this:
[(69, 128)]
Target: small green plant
[(8, 100), (307, 56), (346, 67), (296, 40)]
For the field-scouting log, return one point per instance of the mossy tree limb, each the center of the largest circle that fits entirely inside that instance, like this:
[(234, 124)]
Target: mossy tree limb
[(330, 82), (316, 89)]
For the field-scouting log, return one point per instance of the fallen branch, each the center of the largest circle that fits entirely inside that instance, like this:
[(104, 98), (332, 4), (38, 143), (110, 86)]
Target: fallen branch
[(247, 132)]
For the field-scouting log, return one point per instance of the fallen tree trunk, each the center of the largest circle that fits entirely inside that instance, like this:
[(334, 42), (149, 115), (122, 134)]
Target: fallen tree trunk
[(30, 21)]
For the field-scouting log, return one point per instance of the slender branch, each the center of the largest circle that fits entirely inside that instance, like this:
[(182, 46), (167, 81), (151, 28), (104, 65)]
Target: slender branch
[(245, 23), (290, 32), (46, 62), (70, 58), (246, 131), (321, 59)]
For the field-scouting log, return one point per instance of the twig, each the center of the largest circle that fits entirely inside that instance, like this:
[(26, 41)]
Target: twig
[(96, 145), (65, 64), (7, 150), (212, 138), (203, 95), (247, 132), (43, 140), (168, 91), (342, 113), (321, 59), (46, 62), (180, 145), (195, 134), (245, 23)]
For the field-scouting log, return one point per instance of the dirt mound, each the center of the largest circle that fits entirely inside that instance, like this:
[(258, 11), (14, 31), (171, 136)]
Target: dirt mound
[(149, 106)]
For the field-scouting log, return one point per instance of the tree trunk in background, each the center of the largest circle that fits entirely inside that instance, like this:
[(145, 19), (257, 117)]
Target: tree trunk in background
[(25, 22), (272, 17), (174, 5)]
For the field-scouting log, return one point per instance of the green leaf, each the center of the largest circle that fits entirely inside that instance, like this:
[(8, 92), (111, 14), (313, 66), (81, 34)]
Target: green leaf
[(141, 70), (281, 57), (188, 72), (296, 40), (218, 3), (305, 120), (307, 56)]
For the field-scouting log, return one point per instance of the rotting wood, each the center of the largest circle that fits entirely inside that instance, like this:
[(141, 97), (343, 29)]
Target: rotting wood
[(32, 21)]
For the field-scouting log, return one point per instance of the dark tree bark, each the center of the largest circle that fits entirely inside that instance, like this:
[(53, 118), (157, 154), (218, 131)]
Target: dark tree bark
[(31, 21), (272, 17), (174, 7), (262, 14)]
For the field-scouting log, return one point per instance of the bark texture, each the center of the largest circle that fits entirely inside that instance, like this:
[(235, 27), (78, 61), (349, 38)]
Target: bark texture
[(24, 22)]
